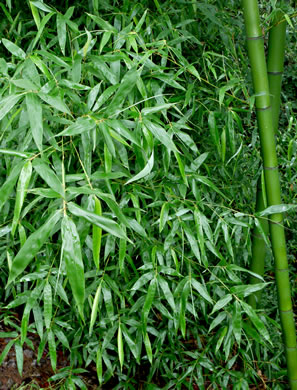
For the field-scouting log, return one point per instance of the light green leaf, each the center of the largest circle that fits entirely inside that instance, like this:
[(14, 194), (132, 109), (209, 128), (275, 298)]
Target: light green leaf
[(221, 303), (74, 265), (32, 246), (276, 209), (48, 309), (14, 49), (106, 224), (7, 187), (201, 290), (34, 110), (144, 172), (159, 133), (22, 187), (55, 102), (48, 176)]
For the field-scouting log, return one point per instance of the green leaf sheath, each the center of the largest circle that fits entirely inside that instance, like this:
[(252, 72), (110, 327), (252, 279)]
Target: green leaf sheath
[(74, 264), (256, 54)]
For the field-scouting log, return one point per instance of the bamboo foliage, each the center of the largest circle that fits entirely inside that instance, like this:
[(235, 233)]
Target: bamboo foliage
[(255, 44)]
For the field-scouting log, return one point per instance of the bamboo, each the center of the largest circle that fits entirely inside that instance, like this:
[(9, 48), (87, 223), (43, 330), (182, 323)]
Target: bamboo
[(275, 65), (258, 247), (255, 43)]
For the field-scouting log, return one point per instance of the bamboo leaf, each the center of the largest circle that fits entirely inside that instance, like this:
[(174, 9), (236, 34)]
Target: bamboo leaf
[(14, 49), (7, 187), (22, 187), (146, 170), (221, 303), (48, 176), (32, 246), (74, 265), (104, 223)]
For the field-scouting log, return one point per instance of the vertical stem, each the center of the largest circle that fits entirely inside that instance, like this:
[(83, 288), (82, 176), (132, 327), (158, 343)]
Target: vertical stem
[(275, 65), (256, 54)]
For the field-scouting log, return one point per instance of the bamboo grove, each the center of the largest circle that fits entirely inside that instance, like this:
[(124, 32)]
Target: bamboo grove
[(133, 238)]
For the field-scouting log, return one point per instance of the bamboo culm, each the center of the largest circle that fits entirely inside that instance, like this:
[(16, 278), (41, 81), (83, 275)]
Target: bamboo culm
[(275, 66), (256, 52)]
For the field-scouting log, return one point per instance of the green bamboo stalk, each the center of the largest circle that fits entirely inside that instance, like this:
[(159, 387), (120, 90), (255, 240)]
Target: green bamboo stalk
[(275, 67), (275, 63), (256, 52)]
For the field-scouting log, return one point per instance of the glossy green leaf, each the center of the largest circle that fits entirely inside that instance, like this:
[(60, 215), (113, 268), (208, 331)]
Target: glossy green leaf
[(14, 49), (22, 187), (258, 323), (104, 223), (159, 133), (81, 125), (8, 103), (148, 303), (144, 172), (52, 349), (95, 309), (201, 289), (222, 303), (97, 234), (34, 110), (32, 246), (48, 176), (120, 347), (71, 250), (7, 188), (61, 30), (55, 102), (19, 356), (48, 305)]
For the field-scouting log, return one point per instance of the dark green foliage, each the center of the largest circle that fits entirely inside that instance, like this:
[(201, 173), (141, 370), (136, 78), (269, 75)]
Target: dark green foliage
[(144, 108)]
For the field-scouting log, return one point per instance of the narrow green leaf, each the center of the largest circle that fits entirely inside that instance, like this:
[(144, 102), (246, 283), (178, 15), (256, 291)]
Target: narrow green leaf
[(97, 234), (52, 349), (74, 265), (221, 303), (7, 187), (15, 153), (104, 223), (164, 215), (19, 356), (14, 49), (32, 246), (34, 110), (48, 305), (148, 347), (22, 187), (259, 325), (148, 303), (55, 102), (8, 103), (95, 309), (61, 30), (159, 133), (166, 290), (201, 290), (145, 171), (81, 125), (276, 209), (48, 176), (120, 347)]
